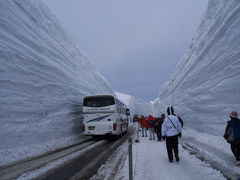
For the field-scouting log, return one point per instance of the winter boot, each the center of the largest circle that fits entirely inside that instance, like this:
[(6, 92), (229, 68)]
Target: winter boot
[(177, 159)]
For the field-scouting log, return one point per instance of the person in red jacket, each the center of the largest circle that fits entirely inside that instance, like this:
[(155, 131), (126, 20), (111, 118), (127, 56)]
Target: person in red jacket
[(143, 123), (151, 125)]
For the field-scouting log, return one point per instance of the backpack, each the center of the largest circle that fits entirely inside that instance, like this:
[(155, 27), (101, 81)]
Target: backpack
[(180, 120), (152, 123), (229, 134)]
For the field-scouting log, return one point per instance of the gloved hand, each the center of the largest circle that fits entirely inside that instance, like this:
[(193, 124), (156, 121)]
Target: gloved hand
[(180, 135), (225, 137)]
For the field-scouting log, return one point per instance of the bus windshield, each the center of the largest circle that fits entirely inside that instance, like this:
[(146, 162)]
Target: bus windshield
[(98, 101)]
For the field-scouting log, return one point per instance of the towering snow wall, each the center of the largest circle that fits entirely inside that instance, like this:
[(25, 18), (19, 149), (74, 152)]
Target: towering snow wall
[(43, 76), (206, 84), (136, 106)]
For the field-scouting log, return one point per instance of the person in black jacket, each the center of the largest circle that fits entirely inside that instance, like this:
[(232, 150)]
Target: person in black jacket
[(159, 123)]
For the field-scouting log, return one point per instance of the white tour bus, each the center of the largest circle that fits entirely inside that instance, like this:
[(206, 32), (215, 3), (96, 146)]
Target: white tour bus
[(103, 115)]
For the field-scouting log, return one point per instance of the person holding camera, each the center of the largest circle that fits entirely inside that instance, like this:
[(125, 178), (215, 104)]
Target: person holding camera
[(171, 128)]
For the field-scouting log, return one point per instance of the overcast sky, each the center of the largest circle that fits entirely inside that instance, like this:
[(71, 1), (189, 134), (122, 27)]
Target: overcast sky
[(134, 44)]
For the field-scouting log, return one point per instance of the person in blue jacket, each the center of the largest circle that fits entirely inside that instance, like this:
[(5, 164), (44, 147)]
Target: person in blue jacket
[(232, 135)]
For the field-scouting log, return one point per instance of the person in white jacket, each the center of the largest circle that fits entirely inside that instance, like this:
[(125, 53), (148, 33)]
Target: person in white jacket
[(171, 129)]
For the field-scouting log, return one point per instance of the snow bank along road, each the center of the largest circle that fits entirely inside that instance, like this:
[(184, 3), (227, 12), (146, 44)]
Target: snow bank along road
[(77, 161), (212, 156)]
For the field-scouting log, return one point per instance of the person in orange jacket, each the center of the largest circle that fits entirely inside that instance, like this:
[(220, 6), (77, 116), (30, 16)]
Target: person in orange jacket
[(151, 125), (143, 123)]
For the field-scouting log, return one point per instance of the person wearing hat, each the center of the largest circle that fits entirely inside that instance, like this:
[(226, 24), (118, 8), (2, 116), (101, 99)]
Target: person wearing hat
[(171, 128), (232, 135)]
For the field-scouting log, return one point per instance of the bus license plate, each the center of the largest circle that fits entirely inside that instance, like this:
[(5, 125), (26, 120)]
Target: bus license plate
[(91, 127)]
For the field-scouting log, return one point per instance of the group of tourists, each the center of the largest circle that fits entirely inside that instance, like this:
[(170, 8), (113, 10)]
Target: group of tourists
[(167, 128)]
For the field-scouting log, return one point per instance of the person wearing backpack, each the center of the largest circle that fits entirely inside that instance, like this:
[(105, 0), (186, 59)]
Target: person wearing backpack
[(171, 128), (232, 135), (151, 126)]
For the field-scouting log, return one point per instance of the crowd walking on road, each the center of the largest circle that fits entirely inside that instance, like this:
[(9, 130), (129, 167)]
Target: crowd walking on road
[(169, 128)]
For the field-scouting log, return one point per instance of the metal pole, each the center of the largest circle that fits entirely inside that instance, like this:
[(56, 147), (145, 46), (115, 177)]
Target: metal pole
[(137, 140), (130, 158)]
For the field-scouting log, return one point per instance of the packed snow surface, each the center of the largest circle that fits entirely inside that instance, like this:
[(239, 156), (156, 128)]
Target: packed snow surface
[(43, 78), (205, 86), (150, 162), (202, 157), (209, 157)]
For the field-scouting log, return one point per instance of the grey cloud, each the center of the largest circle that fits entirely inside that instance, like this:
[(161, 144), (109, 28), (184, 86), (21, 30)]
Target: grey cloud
[(132, 42)]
